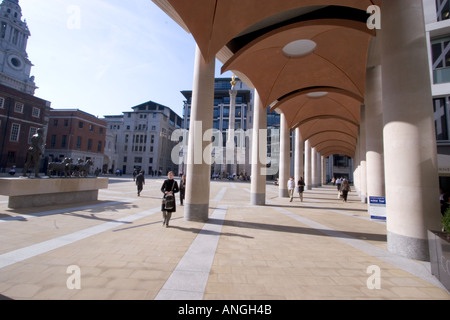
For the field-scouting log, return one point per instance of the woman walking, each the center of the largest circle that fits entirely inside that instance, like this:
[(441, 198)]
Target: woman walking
[(301, 188), (345, 189), (140, 181), (182, 188), (169, 188)]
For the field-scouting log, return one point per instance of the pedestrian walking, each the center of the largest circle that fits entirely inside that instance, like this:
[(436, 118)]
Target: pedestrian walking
[(168, 206), (345, 189), (140, 181), (182, 188), (301, 188), (291, 188), (338, 185)]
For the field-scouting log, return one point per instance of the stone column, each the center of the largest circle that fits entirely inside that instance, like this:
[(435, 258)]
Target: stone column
[(323, 162), (259, 154), (319, 169), (411, 171), (314, 169), (308, 169), (230, 145), (298, 162), (285, 149), (374, 134), (199, 160), (362, 148)]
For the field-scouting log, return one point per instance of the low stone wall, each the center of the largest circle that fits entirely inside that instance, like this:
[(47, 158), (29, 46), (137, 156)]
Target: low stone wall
[(25, 193)]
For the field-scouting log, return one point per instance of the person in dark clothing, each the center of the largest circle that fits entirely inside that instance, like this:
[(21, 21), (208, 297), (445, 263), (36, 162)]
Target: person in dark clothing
[(182, 188), (301, 188), (140, 181), (169, 187)]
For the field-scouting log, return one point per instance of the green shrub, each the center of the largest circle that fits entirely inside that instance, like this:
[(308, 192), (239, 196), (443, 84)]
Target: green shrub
[(446, 221)]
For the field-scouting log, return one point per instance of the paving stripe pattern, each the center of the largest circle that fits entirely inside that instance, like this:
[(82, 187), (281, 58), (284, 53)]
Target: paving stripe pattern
[(317, 249)]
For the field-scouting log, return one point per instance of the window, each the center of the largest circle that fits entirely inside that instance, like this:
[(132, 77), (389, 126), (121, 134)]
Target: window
[(66, 123), (441, 60), (32, 132), (91, 127), (2, 103), (18, 107), (64, 141), (443, 9), (89, 144), (36, 113), (138, 160), (15, 131), (80, 125), (99, 146), (4, 25), (11, 157), (53, 141), (55, 123), (78, 143), (441, 118)]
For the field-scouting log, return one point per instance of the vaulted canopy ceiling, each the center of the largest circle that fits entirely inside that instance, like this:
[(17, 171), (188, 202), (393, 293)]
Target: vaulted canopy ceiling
[(306, 58)]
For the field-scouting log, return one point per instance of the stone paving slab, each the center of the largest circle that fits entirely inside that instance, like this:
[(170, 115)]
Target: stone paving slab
[(317, 249)]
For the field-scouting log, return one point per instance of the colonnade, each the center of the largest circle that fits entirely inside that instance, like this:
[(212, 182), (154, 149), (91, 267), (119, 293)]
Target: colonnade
[(396, 151)]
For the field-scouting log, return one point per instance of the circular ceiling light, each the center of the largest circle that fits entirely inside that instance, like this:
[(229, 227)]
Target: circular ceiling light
[(299, 48), (316, 95)]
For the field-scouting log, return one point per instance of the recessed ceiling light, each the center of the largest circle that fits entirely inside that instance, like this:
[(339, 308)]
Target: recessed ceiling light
[(318, 94), (299, 48)]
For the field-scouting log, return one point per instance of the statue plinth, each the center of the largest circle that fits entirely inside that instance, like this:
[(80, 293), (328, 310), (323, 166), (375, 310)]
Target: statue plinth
[(26, 193)]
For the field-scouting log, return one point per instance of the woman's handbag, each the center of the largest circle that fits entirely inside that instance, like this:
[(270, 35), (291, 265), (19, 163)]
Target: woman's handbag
[(169, 200)]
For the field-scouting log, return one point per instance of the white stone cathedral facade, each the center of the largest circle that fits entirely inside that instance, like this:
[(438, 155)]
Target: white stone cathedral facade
[(15, 67)]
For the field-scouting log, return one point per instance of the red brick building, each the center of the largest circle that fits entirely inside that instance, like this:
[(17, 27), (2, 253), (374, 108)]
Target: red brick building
[(21, 114), (75, 134)]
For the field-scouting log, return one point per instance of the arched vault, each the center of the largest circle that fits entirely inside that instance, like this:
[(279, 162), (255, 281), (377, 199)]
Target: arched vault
[(306, 58)]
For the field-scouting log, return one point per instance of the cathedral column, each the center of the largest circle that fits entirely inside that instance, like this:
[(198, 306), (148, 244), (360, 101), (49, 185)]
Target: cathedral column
[(199, 156), (285, 150), (259, 154), (412, 187)]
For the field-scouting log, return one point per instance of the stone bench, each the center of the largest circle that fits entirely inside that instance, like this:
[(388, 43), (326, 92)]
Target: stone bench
[(25, 193)]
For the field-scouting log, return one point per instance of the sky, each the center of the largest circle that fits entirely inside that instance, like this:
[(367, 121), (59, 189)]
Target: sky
[(106, 56)]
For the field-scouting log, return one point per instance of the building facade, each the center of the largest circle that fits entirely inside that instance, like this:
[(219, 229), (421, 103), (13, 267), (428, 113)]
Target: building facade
[(243, 111), (21, 114), (142, 139), (75, 134), (437, 18)]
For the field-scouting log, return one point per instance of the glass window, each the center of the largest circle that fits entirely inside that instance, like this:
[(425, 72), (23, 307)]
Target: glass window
[(36, 113), (443, 9), (440, 118), (18, 107), (15, 130), (226, 112)]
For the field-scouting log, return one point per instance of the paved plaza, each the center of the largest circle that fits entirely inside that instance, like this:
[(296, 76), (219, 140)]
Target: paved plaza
[(117, 248)]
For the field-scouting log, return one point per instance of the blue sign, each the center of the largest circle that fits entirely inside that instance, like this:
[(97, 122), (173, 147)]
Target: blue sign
[(377, 208)]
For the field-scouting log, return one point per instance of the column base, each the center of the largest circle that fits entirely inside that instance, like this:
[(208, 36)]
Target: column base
[(411, 248), (258, 199), (283, 193), (196, 212)]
